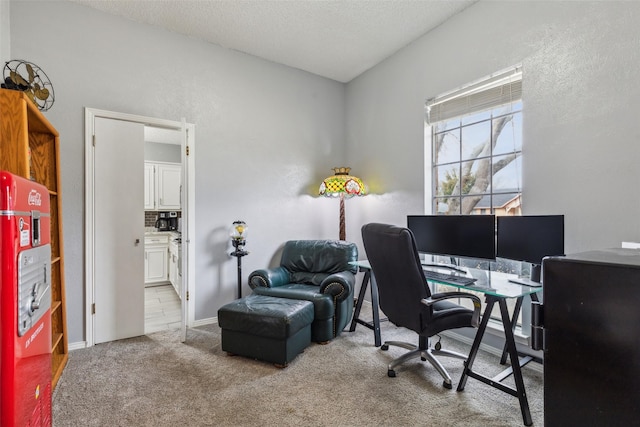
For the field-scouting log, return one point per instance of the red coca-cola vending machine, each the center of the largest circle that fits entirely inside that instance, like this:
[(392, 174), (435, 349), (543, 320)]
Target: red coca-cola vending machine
[(25, 303)]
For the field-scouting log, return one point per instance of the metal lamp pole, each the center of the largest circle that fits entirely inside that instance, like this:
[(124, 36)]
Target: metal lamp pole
[(239, 252)]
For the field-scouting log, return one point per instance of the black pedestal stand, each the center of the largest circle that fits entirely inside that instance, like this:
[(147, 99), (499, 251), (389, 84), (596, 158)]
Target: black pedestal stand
[(239, 252)]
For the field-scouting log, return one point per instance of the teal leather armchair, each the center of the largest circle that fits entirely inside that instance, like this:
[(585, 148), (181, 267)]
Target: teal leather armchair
[(316, 271)]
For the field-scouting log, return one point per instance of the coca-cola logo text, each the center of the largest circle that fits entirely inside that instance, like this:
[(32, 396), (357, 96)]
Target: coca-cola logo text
[(35, 199)]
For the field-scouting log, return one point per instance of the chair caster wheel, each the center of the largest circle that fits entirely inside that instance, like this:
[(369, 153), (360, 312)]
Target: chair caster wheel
[(447, 385), (391, 373), (384, 347), (424, 359)]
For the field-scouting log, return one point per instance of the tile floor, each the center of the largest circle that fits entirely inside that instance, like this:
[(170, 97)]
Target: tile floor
[(161, 309)]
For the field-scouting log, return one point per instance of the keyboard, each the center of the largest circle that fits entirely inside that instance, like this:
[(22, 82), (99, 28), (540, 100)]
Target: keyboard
[(447, 277)]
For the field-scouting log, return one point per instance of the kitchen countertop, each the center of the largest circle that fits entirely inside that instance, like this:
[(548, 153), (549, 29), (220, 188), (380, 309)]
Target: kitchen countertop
[(152, 231)]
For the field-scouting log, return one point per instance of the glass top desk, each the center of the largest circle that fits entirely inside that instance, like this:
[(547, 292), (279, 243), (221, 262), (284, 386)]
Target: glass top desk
[(497, 288)]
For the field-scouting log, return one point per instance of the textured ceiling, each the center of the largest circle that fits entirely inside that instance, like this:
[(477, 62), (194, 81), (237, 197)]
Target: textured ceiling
[(335, 39)]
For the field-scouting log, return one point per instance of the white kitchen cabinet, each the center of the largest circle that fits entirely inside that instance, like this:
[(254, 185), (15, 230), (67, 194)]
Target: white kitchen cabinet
[(168, 189), (162, 186), (156, 249)]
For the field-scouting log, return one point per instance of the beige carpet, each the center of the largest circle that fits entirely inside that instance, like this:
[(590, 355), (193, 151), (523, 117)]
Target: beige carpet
[(156, 380)]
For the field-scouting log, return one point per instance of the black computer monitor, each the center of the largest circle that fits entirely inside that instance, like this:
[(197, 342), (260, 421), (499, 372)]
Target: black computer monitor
[(530, 238), (468, 236)]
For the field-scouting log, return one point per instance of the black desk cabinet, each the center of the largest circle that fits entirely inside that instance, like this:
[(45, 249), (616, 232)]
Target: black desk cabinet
[(591, 324)]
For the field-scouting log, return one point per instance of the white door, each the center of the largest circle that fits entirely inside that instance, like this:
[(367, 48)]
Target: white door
[(118, 230)]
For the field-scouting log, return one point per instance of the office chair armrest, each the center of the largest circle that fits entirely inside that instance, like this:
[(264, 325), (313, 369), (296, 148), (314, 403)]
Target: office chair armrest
[(339, 285), (475, 317), (269, 278)]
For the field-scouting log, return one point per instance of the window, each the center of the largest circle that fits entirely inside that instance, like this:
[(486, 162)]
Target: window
[(474, 135), (476, 147)]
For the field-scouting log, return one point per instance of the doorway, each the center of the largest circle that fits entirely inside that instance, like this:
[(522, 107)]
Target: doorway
[(163, 219), (97, 143)]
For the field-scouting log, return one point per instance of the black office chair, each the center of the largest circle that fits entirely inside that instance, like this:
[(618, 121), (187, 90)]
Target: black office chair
[(405, 297)]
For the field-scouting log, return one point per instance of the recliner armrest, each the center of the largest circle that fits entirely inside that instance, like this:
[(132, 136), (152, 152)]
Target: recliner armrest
[(475, 317), (339, 285), (269, 278)]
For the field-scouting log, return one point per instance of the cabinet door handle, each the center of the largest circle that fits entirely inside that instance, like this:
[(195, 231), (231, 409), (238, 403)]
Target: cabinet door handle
[(136, 242)]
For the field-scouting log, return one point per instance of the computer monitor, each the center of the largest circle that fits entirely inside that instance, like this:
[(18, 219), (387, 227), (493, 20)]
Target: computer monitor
[(530, 238), (468, 236)]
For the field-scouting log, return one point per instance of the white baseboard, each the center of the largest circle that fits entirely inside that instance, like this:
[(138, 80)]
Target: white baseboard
[(631, 245), (77, 345), (207, 321)]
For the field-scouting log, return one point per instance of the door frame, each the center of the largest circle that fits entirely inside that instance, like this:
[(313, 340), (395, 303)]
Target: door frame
[(188, 212)]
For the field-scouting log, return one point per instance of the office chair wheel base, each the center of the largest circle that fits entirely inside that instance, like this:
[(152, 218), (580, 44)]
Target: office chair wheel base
[(384, 347), (447, 385), (391, 373)]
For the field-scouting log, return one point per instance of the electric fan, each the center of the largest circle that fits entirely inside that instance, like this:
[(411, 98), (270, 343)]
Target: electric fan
[(30, 79)]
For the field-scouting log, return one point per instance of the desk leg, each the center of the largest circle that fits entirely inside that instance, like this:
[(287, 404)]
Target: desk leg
[(375, 325), (468, 364), (363, 290), (513, 322), (519, 391), (515, 364)]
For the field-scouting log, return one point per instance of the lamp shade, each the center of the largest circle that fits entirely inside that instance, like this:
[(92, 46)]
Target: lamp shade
[(238, 230), (342, 184)]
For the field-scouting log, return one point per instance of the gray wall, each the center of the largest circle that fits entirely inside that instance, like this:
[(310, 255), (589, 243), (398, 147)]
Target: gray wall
[(265, 134), (5, 33), (581, 102)]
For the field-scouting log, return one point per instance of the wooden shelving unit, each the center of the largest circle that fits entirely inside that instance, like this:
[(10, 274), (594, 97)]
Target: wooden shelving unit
[(29, 147)]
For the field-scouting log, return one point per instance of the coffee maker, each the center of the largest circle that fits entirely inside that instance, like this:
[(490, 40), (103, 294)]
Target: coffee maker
[(173, 221), (162, 222)]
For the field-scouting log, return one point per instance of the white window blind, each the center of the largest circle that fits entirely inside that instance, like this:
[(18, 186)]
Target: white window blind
[(500, 89)]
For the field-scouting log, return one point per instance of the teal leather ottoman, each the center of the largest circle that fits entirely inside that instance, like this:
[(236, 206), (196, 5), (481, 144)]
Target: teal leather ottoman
[(266, 328)]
